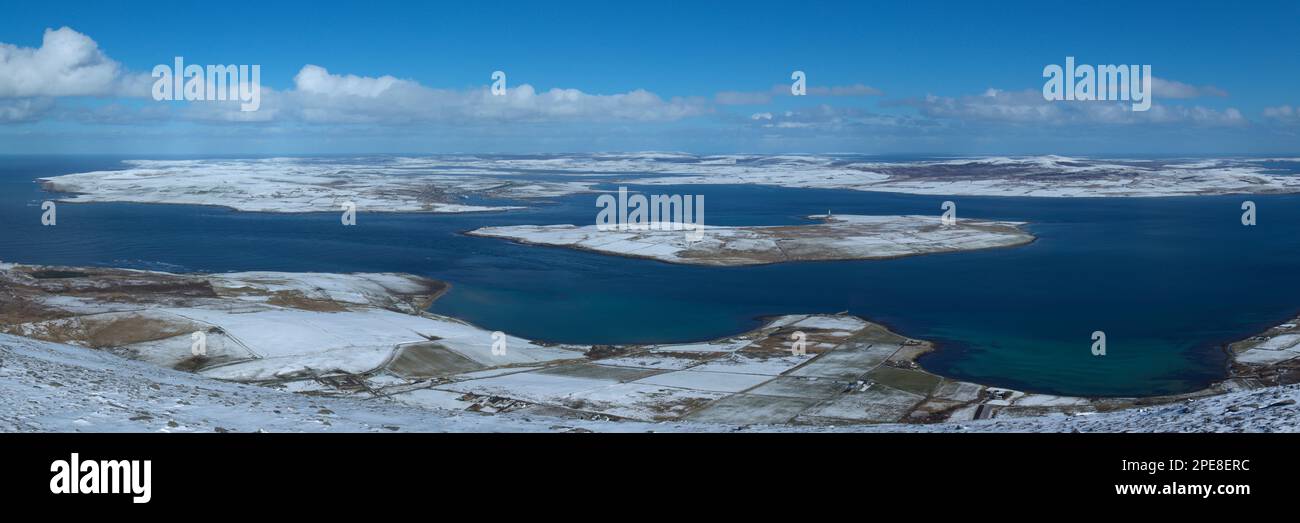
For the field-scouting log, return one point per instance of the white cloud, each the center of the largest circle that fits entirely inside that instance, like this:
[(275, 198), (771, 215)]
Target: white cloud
[(1178, 90), (315, 79), (1024, 106), (24, 109), (524, 103), (742, 98), (845, 90), (1028, 106), (323, 97), (1282, 114), (764, 97), (67, 63), (274, 105), (827, 118)]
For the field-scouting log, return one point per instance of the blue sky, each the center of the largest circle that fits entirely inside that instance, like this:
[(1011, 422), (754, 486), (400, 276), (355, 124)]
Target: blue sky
[(691, 76)]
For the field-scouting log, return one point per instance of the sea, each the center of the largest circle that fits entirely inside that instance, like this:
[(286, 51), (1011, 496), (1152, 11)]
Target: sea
[(1169, 281)]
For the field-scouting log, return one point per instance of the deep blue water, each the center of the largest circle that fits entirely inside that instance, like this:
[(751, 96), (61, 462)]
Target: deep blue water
[(1169, 280)]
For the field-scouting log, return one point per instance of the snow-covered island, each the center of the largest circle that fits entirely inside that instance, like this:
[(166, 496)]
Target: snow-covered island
[(448, 184), (297, 185), (835, 237), (1048, 176)]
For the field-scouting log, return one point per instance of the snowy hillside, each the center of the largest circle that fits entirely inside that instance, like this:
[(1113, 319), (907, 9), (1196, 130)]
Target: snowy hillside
[(60, 388)]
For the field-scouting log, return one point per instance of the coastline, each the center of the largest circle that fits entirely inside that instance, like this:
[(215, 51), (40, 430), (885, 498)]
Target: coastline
[(63, 196), (854, 371)]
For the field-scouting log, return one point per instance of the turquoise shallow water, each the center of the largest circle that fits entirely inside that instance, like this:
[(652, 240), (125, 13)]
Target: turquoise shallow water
[(1168, 279)]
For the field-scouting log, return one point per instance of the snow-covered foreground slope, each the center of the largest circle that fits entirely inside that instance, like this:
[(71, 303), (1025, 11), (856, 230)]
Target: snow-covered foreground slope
[(59, 388), (838, 237), (442, 184), (320, 345), (1270, 409)]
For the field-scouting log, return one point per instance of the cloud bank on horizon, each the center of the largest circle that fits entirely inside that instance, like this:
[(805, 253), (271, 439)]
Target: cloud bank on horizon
[(69, 86)]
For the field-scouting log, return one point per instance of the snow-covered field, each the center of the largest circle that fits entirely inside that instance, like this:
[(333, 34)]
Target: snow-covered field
[(60, 388), (49, 387), (445, 183), (839, 237), (257, 325)]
